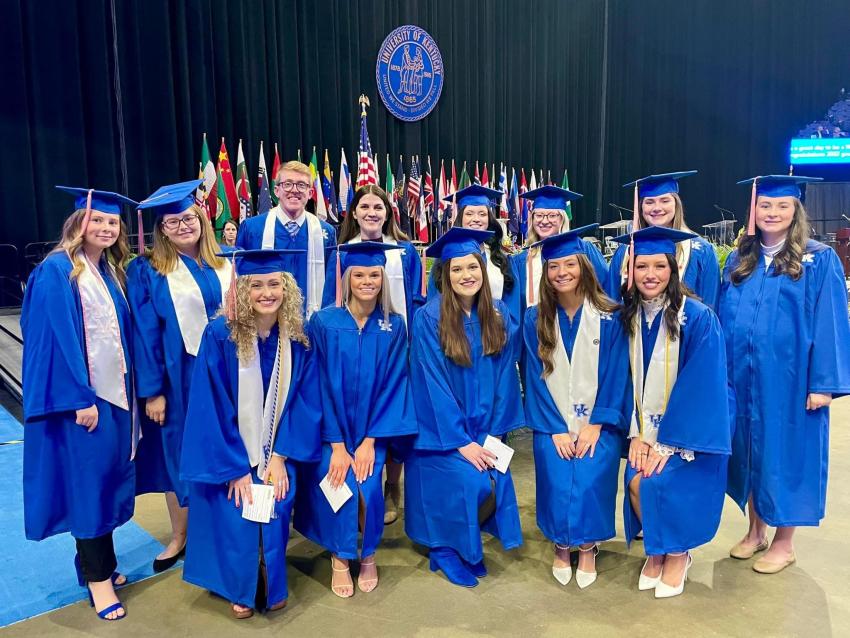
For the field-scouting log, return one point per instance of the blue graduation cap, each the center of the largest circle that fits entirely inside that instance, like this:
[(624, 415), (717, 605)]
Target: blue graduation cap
[(474, 195), (172, 199), (103, 201), (780, 185), (365, 253), (259, 261), (655, 185), (564, 244), (551, 197), (655, 240), (459, 242)]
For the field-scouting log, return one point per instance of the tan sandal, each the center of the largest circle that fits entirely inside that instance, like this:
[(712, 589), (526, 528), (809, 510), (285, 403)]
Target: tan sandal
[(367, 585), (335, 588), (745, 551), (241, 614)]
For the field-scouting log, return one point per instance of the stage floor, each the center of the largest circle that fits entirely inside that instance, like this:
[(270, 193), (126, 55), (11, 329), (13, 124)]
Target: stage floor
[(724, 597)]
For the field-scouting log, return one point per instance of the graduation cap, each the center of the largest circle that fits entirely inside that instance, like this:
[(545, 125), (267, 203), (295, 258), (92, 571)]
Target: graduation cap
[(102, 201), (167, 200), (459, 242), (551, 197), (655, 185), (655, 240), (365, 253), (259, 261), (474, 195), (564, 244), (774, 186)]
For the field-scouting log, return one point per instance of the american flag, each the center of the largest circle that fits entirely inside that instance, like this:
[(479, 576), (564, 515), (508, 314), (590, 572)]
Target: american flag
[(427, 211), (414, 205), (366, 171)]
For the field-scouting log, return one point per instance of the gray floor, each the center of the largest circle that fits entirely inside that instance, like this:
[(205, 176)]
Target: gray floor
[(724, 597)]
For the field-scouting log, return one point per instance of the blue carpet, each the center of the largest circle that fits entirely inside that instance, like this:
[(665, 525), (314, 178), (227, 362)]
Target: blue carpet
[(39, 577), (10, 429)]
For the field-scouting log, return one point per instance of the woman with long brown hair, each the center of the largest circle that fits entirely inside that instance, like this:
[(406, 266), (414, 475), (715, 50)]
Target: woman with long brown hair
[(576, 378), (174, 290), (371, 218), (679, 418), (79, 438), (463, 369), (657, 198), (784, 313), (253, 413)]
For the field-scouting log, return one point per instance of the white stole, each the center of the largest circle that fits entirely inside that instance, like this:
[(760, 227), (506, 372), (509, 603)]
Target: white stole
[(189, 302), (395, 276), (573, 385), (259, 415), (650, 398), (104, 352), (315, 254), (494, 274), (533, 284)]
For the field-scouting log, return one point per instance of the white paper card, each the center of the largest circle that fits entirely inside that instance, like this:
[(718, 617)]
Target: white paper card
[(336, 497), (260, 511), (503, 453)]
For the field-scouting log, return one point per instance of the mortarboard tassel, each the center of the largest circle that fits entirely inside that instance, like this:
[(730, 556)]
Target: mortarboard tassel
[(338, 280), (635, 224), (751, 222), (529, 276), (424, 282), (87, 216), (230, 297), (141, 226)]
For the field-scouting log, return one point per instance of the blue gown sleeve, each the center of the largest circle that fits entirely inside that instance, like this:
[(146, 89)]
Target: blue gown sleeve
[(55, 371), (432, 283), (213, 451), (613, 281), (829, 362), (710, 283), (392, 412), (331, 432), (299, 431), (329, 291), (614, 385), (442, 422), (598, 262), (416, 280), (697, 414), (541, 413), (148, 355), (507, 412)]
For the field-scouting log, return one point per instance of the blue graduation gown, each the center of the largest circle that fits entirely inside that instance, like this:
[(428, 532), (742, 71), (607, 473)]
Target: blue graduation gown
[(681, 506), (511, 298), (163, 367), (74, 480), (222, 551), (251, 236), (454, 407), (411, 266), (576, 499), (702, 274), (785, 339), (365, 392)]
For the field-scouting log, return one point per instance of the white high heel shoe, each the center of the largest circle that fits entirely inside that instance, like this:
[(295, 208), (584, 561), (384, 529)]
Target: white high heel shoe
[(586, 579), (647, 582), (663, 590), (563, 574)]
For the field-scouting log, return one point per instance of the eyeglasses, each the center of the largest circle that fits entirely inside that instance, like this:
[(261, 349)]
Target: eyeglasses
[(174, 222), (288, 185), (548, 217)]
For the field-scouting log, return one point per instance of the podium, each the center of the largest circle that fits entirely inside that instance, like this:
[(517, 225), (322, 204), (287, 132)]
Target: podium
[(722, 232), (842, 238)]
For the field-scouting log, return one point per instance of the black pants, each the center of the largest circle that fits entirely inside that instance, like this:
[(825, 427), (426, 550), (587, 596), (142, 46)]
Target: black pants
[(97, 558)]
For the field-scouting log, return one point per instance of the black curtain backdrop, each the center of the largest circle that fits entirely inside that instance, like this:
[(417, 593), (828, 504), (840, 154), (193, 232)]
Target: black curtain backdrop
[(718, 86)]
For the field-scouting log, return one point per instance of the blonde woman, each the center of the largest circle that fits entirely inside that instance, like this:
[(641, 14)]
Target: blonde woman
[(361, 352), (253, 411), (79, 438), (174, 290)]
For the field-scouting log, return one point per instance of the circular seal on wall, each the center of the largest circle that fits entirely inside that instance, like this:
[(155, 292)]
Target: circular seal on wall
[(409, 73)]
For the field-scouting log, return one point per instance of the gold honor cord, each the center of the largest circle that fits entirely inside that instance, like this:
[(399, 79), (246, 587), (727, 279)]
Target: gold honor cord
[(638, 402)]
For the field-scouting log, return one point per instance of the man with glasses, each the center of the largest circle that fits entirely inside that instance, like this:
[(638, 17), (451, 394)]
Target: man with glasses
[(287, 225)]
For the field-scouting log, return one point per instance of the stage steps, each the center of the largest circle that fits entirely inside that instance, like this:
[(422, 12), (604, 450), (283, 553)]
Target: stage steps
[(11, 351)]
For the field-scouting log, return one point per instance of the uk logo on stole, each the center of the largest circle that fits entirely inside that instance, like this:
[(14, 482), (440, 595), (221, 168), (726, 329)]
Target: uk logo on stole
[(409, 73)]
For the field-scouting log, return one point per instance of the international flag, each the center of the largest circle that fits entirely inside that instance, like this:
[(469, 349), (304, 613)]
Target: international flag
[(476, 178), (222, 206), (318, 192), (389, 188), (206, 195), (523, 210), (243, 186), (565, 183), (398, 195), (226, 179), (503, 186), (414, 190), (428, 188), (485, 177), (346, 193), (464, 178), (264, 200), (367, 172), (273, 176), (452, 191), (513, 206), (328, 190), (442, 191)]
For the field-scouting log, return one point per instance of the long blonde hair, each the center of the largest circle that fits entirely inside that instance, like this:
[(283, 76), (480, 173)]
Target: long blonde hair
[(163, 255), (384, 300), (72, 241), (243, 325)]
